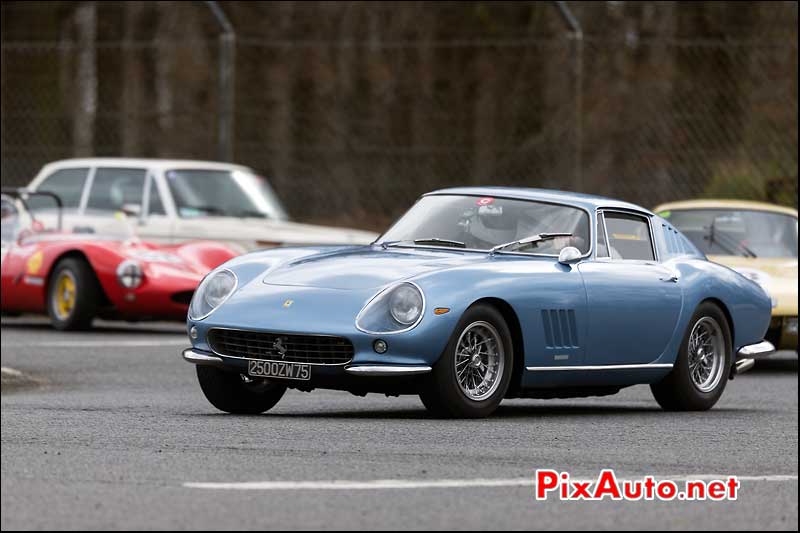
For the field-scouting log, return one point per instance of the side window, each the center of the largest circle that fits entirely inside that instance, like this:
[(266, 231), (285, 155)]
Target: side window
[(154, 204), (113, 188), (629, 237), (602, 245), (67, 183), (9, 218)]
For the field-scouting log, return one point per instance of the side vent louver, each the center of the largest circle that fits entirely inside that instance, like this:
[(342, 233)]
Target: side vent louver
[(560, 328)]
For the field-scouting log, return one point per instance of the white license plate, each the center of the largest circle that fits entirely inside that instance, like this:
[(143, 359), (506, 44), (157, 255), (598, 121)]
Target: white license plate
[(277, 369)]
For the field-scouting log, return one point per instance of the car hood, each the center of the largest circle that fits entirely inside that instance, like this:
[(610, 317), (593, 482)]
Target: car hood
[(365, 267), (777, 275)]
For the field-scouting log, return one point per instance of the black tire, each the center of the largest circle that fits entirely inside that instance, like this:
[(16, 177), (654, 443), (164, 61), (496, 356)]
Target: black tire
[(227, 391), (88, 295), (677, 391), (443, 396)]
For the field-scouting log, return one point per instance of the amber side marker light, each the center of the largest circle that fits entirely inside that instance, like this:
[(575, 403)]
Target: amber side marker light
[(441, 310)]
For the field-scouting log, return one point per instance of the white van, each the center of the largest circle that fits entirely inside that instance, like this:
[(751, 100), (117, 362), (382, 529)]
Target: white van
[(174, 201)]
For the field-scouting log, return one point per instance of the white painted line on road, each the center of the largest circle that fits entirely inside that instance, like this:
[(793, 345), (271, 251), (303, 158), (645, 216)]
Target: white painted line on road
[(14, 373), (100, 343), (395, 484), (376, 484)]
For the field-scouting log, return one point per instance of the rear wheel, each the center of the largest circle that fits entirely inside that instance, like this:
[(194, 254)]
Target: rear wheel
[(73, 295), (236, 393), (703, 364), (472, 375)]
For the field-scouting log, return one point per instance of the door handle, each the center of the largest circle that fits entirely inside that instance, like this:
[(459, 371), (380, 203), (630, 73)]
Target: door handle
[(672, 278)]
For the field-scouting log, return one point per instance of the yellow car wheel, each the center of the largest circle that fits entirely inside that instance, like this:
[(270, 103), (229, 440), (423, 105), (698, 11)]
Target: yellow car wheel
[(73, 295)]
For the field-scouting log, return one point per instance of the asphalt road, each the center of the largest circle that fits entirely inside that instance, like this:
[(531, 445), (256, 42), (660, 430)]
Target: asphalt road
[(110, 426)]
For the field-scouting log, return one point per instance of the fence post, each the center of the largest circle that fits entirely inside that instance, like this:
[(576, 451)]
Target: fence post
[(227, 83), (576, 35)]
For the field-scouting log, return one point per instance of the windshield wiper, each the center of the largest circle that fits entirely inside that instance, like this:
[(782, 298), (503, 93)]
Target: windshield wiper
[(731, 245), (432, 240), (528, 240)]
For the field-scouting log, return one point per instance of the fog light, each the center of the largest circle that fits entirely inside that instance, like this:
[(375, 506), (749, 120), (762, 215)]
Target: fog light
[(380, 346), (193, 332), (790, 326)]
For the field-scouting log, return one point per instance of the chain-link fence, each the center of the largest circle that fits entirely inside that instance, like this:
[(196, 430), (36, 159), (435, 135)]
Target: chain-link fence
[(354, 109)]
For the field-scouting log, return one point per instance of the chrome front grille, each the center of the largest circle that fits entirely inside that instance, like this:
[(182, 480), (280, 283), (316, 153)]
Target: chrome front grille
[(313, 349)]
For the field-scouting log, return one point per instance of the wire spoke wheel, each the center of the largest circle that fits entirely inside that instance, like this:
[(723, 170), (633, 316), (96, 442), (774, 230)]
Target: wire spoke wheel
[(706, 354), (480, 358)]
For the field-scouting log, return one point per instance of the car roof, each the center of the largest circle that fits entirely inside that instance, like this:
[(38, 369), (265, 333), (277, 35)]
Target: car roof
[(725, 204), (586, 201), (124, 162)]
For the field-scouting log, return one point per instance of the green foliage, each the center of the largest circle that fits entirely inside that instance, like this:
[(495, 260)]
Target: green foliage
[(745, 181)]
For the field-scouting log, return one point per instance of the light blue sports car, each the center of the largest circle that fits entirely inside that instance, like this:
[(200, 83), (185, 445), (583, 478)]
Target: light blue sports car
[(481, 294)]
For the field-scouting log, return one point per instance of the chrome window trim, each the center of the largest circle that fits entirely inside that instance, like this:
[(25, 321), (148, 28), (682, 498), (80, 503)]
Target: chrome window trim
[(279, 334), (600, 215), (388, 288), (632, 212), (502, 197), (645, 366)]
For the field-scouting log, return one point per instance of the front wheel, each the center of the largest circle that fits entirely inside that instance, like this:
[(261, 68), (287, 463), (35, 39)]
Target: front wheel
[(473, 374), (73, 295), (236, 393), (703, 364)]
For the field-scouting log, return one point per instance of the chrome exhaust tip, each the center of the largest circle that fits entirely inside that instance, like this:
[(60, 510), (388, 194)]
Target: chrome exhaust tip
[(743, 365)]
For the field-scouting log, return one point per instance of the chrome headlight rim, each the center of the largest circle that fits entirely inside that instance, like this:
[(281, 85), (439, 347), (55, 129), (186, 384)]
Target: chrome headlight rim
[(385, 292), (198, 293), (124, 271)]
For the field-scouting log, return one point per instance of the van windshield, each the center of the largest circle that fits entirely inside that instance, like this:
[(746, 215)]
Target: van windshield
[(200, 193)]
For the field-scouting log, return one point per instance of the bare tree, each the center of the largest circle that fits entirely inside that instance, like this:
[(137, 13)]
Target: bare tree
[(86, 109), (133, 78)]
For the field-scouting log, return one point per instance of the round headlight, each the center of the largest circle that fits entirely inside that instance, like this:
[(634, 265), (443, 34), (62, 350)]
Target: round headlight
[(129, 274), (405, 304), (394, 309), (212, 292)]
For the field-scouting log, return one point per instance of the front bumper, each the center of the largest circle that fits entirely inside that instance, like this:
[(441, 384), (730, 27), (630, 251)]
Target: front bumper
[(197, 357), (746, 356), (358, 379)]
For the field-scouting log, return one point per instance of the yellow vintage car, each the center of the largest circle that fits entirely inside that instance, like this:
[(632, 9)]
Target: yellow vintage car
[(758, 240)]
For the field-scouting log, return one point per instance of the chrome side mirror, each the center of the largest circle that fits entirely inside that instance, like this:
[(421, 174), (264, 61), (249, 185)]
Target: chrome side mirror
[(569, 255)]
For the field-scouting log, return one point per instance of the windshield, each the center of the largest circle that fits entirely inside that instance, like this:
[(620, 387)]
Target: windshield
[(481, 223), (223, 193), (738, 232)]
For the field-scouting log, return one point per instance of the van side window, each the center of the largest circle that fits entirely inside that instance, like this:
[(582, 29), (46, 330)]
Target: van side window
[(67, 183), (113, 188)]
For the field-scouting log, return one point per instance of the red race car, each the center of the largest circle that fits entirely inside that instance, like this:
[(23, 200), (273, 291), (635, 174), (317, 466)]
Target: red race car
[(75, 277)]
